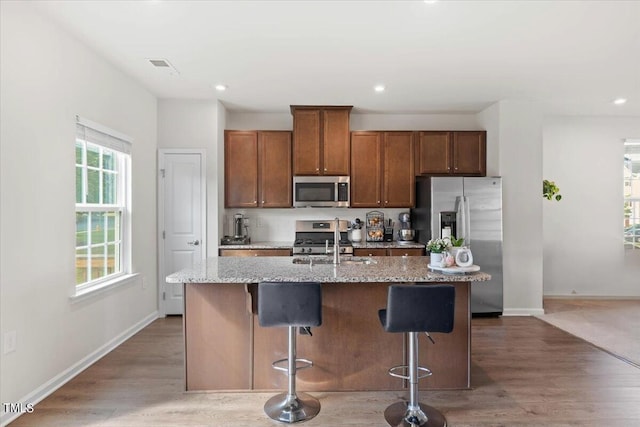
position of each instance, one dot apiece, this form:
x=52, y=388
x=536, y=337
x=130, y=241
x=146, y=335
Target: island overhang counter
x=226, y=349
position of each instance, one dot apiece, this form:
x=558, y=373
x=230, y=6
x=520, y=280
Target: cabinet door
x=275, y=183
x=469, y=153
x=433, y=153
x=399, y=177
x=365, y=169
x=306, y=142
x=240, y=169
x=335, y=141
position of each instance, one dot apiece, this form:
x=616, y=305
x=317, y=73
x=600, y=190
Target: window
x=102, y=204
x=632, y=194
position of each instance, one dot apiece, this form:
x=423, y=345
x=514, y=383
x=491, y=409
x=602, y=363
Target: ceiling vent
x=163, y=64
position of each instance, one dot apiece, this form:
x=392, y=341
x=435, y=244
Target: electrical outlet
x=144, y=282
x=259, y=222
x=10, y=339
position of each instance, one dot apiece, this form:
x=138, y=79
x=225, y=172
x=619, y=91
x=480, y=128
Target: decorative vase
x=435, y=259
x=464, y=258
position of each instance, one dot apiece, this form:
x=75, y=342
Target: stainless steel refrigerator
x=470, y=208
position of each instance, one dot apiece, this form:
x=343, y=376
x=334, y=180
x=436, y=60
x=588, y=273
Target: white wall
x=46, y=78
x=583, y=251
x=194, y=124
x=514, y=131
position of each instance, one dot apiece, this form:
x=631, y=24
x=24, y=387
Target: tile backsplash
x=278, y=225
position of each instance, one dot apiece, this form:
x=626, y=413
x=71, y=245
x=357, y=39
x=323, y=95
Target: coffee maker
x=240, y=235
x=238, y=225
x=406, y=234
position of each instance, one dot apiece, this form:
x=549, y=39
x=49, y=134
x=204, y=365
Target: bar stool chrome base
x=288, y=408
x=399, y=415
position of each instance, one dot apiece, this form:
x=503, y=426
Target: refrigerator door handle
x=463, y=220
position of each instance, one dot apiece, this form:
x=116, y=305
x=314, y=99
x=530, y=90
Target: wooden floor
x=525, y=372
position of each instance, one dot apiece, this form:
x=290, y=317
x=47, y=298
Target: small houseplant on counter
x=456, y=245
x=436, y=248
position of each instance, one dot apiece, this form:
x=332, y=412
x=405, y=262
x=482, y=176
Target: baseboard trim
x=593, y=297
x=523, y=312
x=67, y=375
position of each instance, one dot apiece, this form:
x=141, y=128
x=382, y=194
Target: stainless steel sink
x=351, y=260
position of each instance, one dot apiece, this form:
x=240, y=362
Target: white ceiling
x=574, y=57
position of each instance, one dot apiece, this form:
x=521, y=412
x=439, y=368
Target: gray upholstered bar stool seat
x=292, y=305
x=412, y=309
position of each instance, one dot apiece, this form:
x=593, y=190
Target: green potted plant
x=456, y=245
x=550, y=190
x=457, y=242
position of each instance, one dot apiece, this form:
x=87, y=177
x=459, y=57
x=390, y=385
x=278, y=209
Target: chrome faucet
x=336, y=242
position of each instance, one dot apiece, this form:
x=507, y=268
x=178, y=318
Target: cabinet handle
x=325, y=169
x=317, y=169
x=263, y=202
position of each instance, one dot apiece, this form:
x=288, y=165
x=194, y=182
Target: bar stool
x=295, y=305
x=413, y=309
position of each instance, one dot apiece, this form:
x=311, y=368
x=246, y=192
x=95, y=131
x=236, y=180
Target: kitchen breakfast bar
x=226, y=349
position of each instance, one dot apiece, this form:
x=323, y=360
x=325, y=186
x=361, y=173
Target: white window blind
x=97, y=134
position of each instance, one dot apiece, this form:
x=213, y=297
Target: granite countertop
x=282, y=269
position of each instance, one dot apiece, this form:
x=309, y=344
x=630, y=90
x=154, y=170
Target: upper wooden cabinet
x=451, y=153
x=257, y=169
x=382, y=169
x=320, y=140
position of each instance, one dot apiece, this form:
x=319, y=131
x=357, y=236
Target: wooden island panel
x=217, y=337
x=227, y=349
x=350, y=350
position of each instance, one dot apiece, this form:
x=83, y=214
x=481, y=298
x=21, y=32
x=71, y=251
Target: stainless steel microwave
x=321, y=191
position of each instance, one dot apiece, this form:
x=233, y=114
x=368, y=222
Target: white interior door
x=181, y=221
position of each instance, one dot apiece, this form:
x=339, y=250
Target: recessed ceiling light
x=221, y=88
x=619, y=101
x=379, y=88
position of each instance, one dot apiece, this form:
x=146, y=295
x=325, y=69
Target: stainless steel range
x=316, y=237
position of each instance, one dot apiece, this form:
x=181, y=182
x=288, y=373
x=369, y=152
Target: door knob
x=194, y=243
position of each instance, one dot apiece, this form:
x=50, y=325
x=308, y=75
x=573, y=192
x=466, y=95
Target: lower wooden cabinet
x=254, y=252
x=388, y=252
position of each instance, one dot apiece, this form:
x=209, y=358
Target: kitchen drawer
x=388, y=251
x=369, y=252
x=405, y=251
x=255, y=252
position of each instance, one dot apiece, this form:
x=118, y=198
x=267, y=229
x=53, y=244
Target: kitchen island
x=226, y=349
